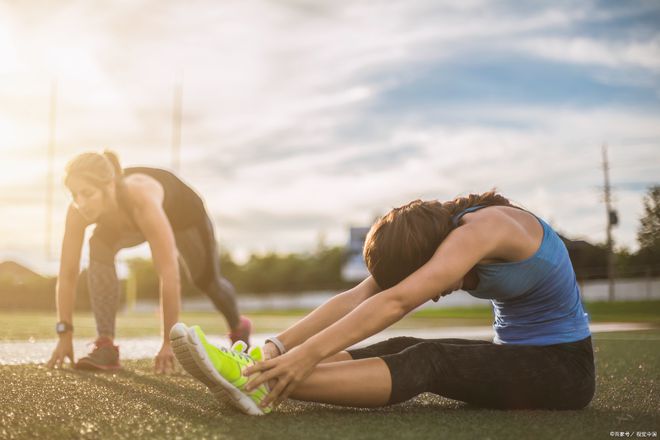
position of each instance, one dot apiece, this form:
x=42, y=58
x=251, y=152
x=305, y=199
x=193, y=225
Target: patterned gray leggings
x=197, y=248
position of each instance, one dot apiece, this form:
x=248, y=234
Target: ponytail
x=112, y=157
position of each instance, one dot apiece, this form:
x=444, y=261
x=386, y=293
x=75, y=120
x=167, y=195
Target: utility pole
x=176, y=124
x=50, y=178
x=612, y=220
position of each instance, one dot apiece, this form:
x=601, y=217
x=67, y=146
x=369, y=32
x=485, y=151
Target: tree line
x=261, y=273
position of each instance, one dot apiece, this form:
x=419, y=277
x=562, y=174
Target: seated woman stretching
x=541, y=357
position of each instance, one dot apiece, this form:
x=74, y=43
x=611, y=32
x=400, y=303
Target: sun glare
x=7, y=49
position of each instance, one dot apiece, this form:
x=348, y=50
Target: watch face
x=63, y=327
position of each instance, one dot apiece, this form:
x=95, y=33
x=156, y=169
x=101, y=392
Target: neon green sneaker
x=219, y=368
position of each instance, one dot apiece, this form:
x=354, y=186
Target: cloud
x=553, y=169
x=579, y=50
x=299, y=117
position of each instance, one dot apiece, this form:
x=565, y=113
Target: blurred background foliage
x=268, y=273
x=20, y=288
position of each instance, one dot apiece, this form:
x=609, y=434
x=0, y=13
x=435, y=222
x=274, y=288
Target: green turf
x=39, y=325
x=135, y=404
x=629, y=311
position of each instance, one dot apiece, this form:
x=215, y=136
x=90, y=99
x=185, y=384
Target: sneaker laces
x=239, y=348
x=254, y=352
x=238, y=355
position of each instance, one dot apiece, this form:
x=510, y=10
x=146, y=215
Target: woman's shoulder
x=490, y=214
x=521, y=231
x=138, y=180
x=515, y=220
x=140, y=188
x=139, y=183
x=500, y=213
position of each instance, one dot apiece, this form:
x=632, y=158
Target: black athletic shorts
x=485, y=374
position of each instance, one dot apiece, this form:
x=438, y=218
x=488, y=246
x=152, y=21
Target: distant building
x=354, y=268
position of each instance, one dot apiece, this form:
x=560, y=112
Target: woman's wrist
x=68, y=336
x=275, y=341
x=270, y=351
x=311, y=352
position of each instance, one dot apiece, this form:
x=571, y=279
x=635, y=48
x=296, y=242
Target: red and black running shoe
x=242, y=331
x=104, y=357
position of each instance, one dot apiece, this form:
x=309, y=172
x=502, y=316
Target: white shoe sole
x=191, y=355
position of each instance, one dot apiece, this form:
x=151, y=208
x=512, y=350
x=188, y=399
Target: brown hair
x=405, y=238
x=99, y=169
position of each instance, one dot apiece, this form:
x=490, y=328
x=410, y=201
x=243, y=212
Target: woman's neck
x=112, y=201
x=114, y=211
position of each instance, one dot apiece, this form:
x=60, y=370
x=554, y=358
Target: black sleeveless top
x=182, y=206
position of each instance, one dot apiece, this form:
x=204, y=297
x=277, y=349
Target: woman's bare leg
x=361, y=383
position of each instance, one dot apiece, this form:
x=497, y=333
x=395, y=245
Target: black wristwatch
x=63, y=327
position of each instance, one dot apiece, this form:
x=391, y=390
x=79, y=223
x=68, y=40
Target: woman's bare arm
x=328, y=313
x=74, y=234
x=457, y=254
x=65, y=291
x=147, y=198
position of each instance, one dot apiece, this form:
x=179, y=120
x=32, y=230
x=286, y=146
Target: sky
x=303, y=118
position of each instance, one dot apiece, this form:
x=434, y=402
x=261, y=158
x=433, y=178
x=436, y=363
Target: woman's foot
x=242, y=331
x=218, y=368
x=103, y=357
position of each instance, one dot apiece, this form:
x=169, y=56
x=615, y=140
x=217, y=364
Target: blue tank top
x=536, y=301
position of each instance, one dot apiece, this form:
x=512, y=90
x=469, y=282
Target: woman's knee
x=389, y=346
x=338, y=357
x=414, y=370
x=400, y=343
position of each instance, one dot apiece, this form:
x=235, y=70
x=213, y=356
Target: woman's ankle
x=105, y=339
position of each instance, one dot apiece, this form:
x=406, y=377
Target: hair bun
x=112, y=157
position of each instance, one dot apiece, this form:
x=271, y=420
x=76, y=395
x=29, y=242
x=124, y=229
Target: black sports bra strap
x=457, y=217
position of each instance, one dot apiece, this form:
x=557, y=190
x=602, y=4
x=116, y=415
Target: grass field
x=136, y=404
x=40, y=325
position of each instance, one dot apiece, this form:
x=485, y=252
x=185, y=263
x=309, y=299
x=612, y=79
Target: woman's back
x=536, y=300
x=182, y=205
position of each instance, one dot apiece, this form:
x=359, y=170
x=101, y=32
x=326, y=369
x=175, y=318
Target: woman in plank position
x=541, y=357
x=130, y=206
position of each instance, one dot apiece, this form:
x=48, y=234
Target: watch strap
x=63, y=327
x=277, y=343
